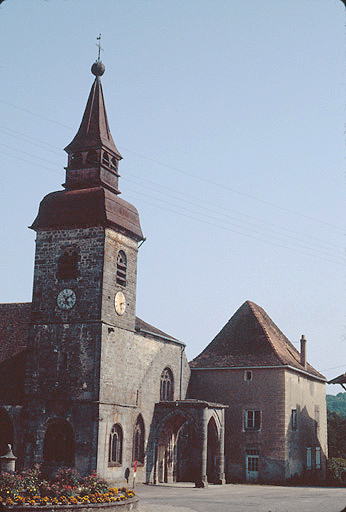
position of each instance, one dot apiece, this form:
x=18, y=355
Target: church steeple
x=91, y=190
x=92, y=155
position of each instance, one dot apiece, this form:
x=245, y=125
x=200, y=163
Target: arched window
x=6, y=432
x=68, y=264
x=121, y=268
x=76, y=160
x=105, y=158
x=138, y=441
x=166, y=385
x=114, y=163
x=58, y=446
x=115, y=445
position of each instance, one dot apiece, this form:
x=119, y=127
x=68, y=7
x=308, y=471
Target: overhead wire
x=201, y=205
x=244, y=234
x=170, y=189
x=336, y=257
x=195, y=176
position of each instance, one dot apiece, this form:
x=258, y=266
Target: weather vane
x=98, y=44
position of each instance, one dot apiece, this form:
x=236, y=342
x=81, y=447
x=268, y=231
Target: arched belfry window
x=121, y=268
x=58, y=446
x=68, y=264
x=105, y=158
x=115, y=445
x=166, y=385
x=138, y=440
x=114, y=163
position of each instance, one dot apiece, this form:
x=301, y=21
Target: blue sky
x=230, y=117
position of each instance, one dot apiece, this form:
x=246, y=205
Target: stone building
x=85, y=383
x=276, y=424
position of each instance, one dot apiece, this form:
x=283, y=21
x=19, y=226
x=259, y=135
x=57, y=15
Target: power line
x=213, y=218
x=235, y=231
x=29, y=154
x=225, y=187
x=229, y=216
x=195, y=176
x=29, y=162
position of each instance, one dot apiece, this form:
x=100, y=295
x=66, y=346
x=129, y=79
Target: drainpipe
x=303, y=351
x=181, y=373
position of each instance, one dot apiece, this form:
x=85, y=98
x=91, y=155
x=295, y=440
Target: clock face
x=66, y=299
x=120, y=303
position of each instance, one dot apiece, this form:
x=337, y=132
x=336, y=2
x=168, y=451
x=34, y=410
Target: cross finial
x=98, y=44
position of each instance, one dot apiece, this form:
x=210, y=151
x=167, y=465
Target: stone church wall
x=131, y=367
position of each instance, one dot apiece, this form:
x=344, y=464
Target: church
x=85, y=383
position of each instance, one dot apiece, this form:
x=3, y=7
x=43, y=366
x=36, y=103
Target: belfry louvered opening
x=121, y=268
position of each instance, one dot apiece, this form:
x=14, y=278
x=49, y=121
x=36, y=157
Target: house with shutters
x=85, y=383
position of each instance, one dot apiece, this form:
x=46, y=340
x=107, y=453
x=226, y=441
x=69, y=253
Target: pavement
x=184, y=497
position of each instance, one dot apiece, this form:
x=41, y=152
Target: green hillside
x=337, y=403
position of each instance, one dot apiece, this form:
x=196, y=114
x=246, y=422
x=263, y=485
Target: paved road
x=239, y=498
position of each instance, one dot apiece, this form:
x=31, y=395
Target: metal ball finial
x=98, y=68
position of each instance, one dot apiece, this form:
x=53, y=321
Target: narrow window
x=166, y=385
x=294, y=419
x=318, y=457
x=138, y=441
x=115, y=445
x=68, y=265
x=248, y=375
x=121, y=269
x=308, y=459
x=252, y=420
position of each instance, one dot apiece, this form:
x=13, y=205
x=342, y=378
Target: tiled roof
x=94, y=206
x=144, y=326
x=250, y=338
x=14, y=328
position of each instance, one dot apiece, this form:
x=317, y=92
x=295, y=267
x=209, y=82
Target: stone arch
x=212, y=451
x=58, y=444
x=168, y=455
x=6, y=431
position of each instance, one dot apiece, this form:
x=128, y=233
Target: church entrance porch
x=186, y=443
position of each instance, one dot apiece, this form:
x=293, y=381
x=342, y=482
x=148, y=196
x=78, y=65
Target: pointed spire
x=94, y=129
x=93, y=157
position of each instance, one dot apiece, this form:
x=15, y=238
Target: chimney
x=303, y=351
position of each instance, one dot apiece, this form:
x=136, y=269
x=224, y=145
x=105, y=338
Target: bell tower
x=84, y=287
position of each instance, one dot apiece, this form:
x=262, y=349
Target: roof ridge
x=264, y=328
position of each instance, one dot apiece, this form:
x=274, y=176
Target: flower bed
x=29, y=489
